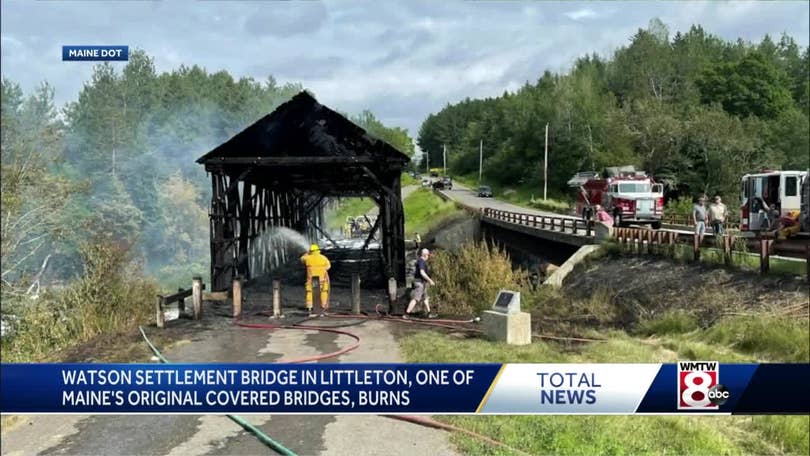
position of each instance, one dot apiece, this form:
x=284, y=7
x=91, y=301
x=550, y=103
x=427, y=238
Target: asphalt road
x=470, y=198
x=216, y=339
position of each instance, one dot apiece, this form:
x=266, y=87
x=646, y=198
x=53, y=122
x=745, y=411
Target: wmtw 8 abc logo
x=699, y=386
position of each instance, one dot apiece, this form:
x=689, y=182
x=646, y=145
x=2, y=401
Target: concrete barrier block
x=512, y=328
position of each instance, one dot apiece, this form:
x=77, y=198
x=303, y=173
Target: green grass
x=768, y=338
x=406, y=179
x=672, y=337
x=348, y=207
x=674, y=322
x=425, y=211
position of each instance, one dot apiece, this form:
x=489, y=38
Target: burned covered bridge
x=280, y=171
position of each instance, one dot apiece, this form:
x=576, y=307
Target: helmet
x=314, y=248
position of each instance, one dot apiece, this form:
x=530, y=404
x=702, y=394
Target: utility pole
x=444, y=159
x=427, y=163
x=480, y=160
x=545, y=168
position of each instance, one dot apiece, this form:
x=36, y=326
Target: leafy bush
x=111, y=296
x=467, y=281
x=681, y=207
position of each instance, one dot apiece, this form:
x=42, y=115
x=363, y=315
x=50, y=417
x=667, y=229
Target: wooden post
x=277, y=299
x=196, y=296
x=765, y=255
x=159, y=317
x=588, y=228
x=355, y=293
x=237, y=297
x=649, y=235
x=696, y=247
x=181, y=304
x=727, y=246
x=392, y=294
x=807, y=248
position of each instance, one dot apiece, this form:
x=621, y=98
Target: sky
x=402, y=60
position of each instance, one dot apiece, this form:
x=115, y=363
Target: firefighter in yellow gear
x=317, y=266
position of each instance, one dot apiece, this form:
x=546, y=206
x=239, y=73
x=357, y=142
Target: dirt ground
x=646, y=287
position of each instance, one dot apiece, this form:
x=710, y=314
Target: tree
x=752, y=86
x=33, y=195
x=395, y=136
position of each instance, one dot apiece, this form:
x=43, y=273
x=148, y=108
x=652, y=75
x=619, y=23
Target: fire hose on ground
x=421, y=420
x=246, y=425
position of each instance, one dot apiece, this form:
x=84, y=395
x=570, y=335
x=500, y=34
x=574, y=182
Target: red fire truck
x=630, y=196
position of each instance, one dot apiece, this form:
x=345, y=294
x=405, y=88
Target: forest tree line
x=117, y=166
x=693, y=109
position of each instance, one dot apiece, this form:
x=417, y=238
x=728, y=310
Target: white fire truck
x=775, y=200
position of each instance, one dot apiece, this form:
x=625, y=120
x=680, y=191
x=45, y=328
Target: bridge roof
x=303, y=132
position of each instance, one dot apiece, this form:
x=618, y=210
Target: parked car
x=485, y=191
x=445, y=183
x=426, y=183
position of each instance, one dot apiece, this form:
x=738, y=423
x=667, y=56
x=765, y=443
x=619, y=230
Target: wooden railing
x=559, y=224
x=180, y=298
x=645, y=240
x=686, y=220
x=640, y=240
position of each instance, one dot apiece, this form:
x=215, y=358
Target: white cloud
x=400, y=59
x=585, y=13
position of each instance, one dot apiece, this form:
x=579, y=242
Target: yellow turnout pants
x=324, y=284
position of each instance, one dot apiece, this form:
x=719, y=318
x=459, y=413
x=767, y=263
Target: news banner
x=685, y=387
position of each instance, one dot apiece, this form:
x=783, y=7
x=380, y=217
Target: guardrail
x=559, y=224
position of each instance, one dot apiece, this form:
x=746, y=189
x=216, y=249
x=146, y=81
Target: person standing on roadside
x=699, y=217
x=420, y=281
x=717, y=216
